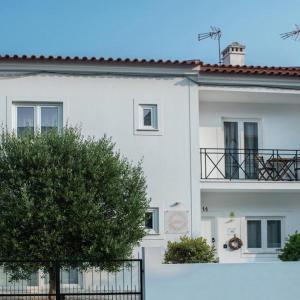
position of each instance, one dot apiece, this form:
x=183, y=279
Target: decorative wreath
x=235, y=243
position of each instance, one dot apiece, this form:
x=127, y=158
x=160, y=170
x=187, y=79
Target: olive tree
x=66, y=197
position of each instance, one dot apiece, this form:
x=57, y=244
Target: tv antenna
x=295, y=34
x=214, y=34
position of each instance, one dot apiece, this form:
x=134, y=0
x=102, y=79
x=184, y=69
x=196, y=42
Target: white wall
x=259, y=281
x=249, y=204
x=280, y=122
x=105, y=105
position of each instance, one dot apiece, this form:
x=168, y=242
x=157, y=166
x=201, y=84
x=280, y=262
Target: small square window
x=148, y=117
x=151, y=221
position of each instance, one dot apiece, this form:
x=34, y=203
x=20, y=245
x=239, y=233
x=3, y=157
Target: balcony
x=270, y=165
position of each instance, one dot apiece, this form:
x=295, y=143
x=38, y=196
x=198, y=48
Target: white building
x=218, y=143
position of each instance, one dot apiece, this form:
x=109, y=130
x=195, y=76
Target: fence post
x=142, y=275
x=296, y=166
x=57, y=280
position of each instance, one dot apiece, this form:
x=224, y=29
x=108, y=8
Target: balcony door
x=241, y=147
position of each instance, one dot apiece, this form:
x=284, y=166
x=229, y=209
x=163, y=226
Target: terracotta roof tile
x=84, y=59
x=250, y=70
x=204, y=68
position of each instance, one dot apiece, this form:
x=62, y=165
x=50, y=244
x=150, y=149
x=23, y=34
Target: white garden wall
x=259, y=281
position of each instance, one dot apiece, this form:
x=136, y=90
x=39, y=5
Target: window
x=68, y=276
x=254, y=233
x=30, y=118
x=264, y=234
x=148, y=116
x=34, y=279
x=151, y=221
x=49, y=118
x=25, y=120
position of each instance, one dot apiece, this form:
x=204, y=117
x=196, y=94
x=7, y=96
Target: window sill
x=261, y=252
x=153, y=237
x=152, y=233
x=147, y=129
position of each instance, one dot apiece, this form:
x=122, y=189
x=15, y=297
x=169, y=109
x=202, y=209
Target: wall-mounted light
x=175, y=204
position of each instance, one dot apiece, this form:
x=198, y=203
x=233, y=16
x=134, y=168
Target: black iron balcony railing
x=250, y=164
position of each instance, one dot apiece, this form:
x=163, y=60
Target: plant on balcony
x=190, y=250
x=291, y=250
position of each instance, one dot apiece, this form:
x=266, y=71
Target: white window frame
x=155, y=216
x=37, y=107
x=264, y=235
x=45, y=285
x=138, y=128
x=240, y=122
x=154, y=111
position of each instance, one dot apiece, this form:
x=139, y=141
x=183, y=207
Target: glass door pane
x=251, y=149
x=254, y=233
x=231, y=150
x=274, y=233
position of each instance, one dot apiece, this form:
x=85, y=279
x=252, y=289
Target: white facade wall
x=190, y=117
x=285, y=205
x=279, y=122
x=277, y=113
x=107, y=105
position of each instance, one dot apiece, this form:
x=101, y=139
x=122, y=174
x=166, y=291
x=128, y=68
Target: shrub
x=190, y=250
x=65, y=197
x=291, y=250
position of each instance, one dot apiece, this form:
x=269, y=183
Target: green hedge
x=190, y=250
x=291, y=250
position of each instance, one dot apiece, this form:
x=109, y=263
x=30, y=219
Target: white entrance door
x=208, y=230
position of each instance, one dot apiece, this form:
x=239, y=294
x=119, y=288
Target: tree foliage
x=190, y=250
x=291, y=250
x=64, y=197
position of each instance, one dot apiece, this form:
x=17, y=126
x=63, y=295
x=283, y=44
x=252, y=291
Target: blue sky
x=149, y=28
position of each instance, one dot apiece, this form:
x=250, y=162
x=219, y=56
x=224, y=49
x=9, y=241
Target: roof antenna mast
x=295, y=34
x=214, y=34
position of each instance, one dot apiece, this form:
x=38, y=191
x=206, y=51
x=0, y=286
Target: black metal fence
x=71, y=282
x=250, y=164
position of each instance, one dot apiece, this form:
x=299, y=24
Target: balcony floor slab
x=248, y=185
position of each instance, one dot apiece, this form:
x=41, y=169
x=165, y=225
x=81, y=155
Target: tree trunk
x=52, y=283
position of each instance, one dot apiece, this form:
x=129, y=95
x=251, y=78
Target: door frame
x=241, y=121
x=214, y=229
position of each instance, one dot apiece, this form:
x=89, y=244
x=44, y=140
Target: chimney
x=234, y=54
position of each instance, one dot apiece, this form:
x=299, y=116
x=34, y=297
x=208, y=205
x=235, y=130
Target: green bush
x=190, y=250
x=291, y=250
